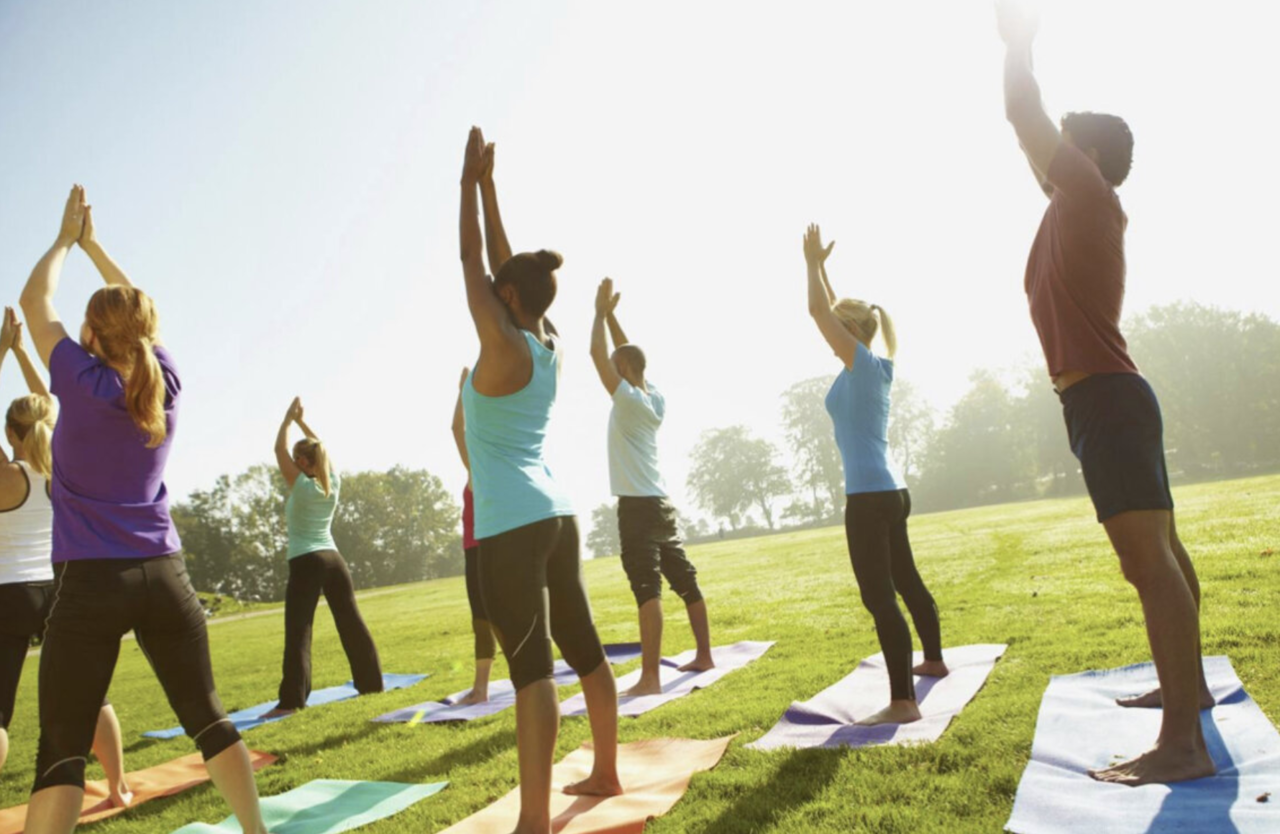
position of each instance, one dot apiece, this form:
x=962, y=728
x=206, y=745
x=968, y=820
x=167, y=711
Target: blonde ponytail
x=144, y=393
x=124, y=322
x=886, y=330
x=315, y=453
x=31, y=420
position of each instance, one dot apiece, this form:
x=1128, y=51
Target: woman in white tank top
x=26, y=541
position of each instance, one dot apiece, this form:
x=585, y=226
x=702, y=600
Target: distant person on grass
x=651, y=547
x=316, y=567
x=26, y=546
x=118, y=565
x=530, y=569
x=1075, y=283
x=485, y=647
x=877, y=502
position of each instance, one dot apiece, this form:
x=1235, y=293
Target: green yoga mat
x=327, y=806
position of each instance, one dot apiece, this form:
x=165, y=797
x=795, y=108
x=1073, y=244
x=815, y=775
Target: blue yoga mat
x=327, y=806
x=247, y=719
x=1080, y=727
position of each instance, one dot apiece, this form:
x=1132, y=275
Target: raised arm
x=37, y=296
x=107, y=268
x=615, y=330
x=491, y=318
x=606, y=301
x=1037, y=134
x=460, y=424
x=35, y=383
x=284, y=459
x=842, y=342
x=495, y=234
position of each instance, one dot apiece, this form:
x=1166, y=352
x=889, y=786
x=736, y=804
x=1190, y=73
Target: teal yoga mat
x=327, y=806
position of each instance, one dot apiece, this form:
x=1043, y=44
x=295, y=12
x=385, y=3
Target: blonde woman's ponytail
x=31, y=420
x=313, y=450
x=886, y=330
x=144, y=394
x=125, y=322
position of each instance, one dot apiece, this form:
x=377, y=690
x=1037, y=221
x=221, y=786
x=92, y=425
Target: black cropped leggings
x=876, y=526
x=95, y=602
x=486, y=648
x=310, y=575
x=24, y=606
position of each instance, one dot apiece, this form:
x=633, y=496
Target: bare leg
x=109, y=749
x=537, y=725
x=601, y=693
x=54, y=810
x=232, y=775
x=650, y=682
x=4, y=747
x=701, y=627
x=1141, y=539
x=479, y=693
x=1152, y=699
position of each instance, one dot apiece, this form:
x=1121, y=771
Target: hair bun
x=548, y=259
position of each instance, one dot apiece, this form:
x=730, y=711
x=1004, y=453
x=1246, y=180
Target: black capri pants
x=651, y=549
x=876, y=528
x=95, y=602
x=24, y=606
x=485, y=645
x=531, y=580
x=311, y=574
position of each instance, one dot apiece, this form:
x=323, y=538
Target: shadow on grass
x=804, y=775
x=328, y=743
x=478, y=751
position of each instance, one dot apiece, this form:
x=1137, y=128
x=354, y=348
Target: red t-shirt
x=1075, y=274
x=468, y=520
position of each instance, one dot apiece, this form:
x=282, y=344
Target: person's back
x=26, y=533
x=309, y=514
x=634, y=420
x=858, y=403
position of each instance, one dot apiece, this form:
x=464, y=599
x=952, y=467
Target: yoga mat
x=501, y=694
x=1080, y=727
x=654, y=773
x=327, y=806
x=151, y=783
x=247, y=719
x=828, y=719
x=675, y=684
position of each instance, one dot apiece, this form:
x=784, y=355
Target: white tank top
x=26, y=534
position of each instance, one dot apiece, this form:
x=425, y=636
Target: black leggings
x=310, y=575
x=24, y=606
x=485, y=646
x=95, y=602
x=875, y=524
x=531, y=579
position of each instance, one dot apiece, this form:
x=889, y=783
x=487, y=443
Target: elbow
x=818, y=308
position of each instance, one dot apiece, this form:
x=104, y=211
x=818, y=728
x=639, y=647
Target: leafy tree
x=812, y=440
x=603, y=539
x=911, y=428
x=733, y=472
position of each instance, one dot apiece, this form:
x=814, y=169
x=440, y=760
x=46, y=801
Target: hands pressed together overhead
x=10, y=331
x=814, y=253
x=606, y=298
x=1018, y=21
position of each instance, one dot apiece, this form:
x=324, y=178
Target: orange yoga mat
x=655, y=773
x=151, y=783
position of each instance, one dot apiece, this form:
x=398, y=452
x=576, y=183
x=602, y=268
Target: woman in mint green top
x=316, y=567
x=530, y=570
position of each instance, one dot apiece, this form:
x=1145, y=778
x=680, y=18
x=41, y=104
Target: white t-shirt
x=26, y=534
x=633, y=441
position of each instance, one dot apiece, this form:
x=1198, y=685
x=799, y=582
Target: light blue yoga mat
x=1080, y=727
x=247, y=719
x=327, y=806
x=502, y=694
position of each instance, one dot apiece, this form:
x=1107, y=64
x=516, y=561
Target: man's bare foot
x=1153, y=700
x=932, y=669
x=277, y=713
x=700, y=663
x=898, y=712
x=473, y=697
x=120, y=796
x=644, y=686
x=595, y=785
x=1159, y=765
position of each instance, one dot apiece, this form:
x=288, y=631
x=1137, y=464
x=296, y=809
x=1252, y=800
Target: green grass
x=1038, y=576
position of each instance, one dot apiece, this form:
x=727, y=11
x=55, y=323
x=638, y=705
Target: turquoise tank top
x=513, y=486
x=308, y=515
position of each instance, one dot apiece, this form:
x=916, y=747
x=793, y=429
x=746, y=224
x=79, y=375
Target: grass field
x=1038, y=576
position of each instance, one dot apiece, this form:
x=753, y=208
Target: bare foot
x=898, y=712
x=595, y=785
x=473, y=697
x=1153, y=700
x=277, y=713
x=932, y=669
x=120, y=797
x=698, y=664
x=1159, y=765
x=644, y=687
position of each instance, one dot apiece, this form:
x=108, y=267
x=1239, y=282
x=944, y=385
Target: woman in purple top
x=116, y=554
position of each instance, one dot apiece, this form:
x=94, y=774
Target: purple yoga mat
x=675, y=684
x=501, y=694
x=828, y=719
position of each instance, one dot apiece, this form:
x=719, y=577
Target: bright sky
x=283, y=179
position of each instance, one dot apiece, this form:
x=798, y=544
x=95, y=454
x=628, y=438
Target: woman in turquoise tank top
x=530, y=570
x=316, y=567
x=877, y=502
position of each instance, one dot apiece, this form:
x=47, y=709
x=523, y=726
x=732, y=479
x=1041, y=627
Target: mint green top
x=309, y=513
x=512, y=485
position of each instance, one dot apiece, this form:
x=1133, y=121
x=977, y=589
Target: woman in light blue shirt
x=877, y=503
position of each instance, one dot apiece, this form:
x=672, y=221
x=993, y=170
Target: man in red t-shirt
x=1075, y=286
